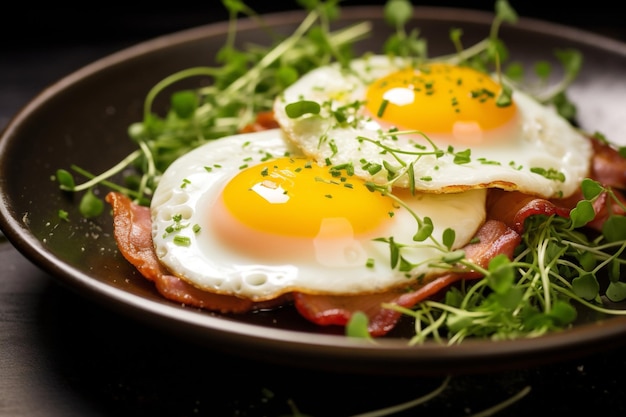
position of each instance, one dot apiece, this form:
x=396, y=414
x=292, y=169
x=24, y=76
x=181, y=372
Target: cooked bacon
x=608, y=167
x=494, y=237
x=605, y=206
x=513, y=208
x=132, y=228
x=263, y=121
x=506, y=214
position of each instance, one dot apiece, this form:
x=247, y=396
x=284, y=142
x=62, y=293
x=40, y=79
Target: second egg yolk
x=439, y=99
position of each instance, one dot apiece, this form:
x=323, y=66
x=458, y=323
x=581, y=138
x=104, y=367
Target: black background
x=28, y=25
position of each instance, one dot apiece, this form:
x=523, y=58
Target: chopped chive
x=181, y=240
x=381, y=109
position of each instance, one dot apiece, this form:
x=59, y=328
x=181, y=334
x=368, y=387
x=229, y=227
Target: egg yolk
x=440, y=99
x=297, y=197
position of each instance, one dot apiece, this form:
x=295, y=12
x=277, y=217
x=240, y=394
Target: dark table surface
x=61, y=355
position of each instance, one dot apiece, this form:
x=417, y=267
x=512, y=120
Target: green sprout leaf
x=616, y=291
x=514, y=71
x=563, y=313
x=543, y=69
x=64, y=215
x=455, y=37
x=453, y=257
x=398, y=12
x=586, y=286
x=587, y=261
x=463, y=157
x=501, y=274
x=614, y=270
x=237, y=6
x=505, y=12
x=582, y=214
x=357, y=326
x=425, y=230
x=301, y=108
x=572, y=61
x=614, y=228
x=66, y=180
x=564, y=106
x=90, y=205
x=590, y=188
x=509, y=299
x=184, y=103
x=285, y=76
x=504, y=99
x=449, y=235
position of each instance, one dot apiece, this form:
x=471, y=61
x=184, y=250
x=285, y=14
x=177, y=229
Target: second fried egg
x=441, y=122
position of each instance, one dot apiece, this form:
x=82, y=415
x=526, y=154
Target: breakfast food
x=416, y=111
x=370, y=186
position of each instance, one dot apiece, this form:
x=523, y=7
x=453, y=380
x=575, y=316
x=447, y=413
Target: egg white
x=191, y=186
x=540, y=138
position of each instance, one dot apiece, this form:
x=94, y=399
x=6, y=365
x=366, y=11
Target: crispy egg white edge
x=545, y=139
x=214, y=267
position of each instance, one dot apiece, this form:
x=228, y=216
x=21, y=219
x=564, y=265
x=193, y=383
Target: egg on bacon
x=440, y=120
x=251, y=216
x=262, y=214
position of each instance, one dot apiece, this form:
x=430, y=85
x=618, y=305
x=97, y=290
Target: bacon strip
x=513, y=208
x=132, y=228
x=264, y=121
x=608, y=167
x=494, y=237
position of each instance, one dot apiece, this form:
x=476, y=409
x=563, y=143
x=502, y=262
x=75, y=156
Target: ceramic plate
x=82, y=119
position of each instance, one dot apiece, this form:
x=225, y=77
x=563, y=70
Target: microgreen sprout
x=244, y=83
x=64, y=215
x=90, y=205
x=357, y=327
x=555, y=270
x=398, y=13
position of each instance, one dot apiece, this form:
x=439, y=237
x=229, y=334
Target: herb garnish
x=244, y=83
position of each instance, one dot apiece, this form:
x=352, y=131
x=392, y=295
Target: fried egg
x=436, y=128
x=252, y=216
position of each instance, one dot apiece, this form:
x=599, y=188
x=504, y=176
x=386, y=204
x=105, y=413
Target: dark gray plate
x=82, y=119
